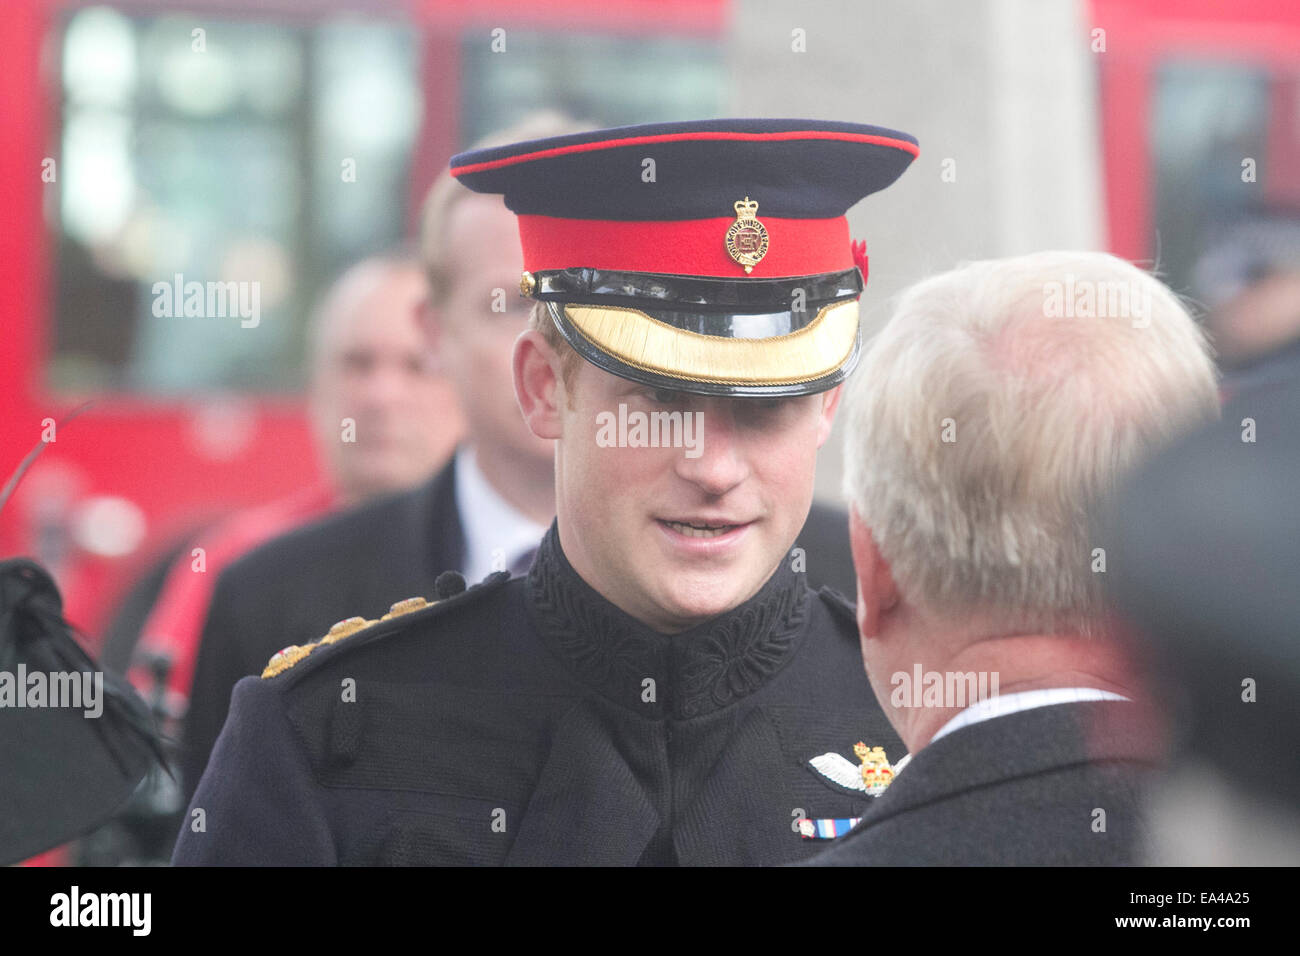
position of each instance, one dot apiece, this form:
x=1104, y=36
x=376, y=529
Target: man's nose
x=384, y=384
x=722, y=461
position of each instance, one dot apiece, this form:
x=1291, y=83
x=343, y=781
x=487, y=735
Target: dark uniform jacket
x=290, y=590
x=530, y=721
x=1022, y=789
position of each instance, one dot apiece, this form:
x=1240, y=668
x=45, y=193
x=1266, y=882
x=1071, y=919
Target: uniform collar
x=699, y=671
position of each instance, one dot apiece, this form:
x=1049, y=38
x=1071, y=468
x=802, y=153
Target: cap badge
x=746, y=238
x=872, y=777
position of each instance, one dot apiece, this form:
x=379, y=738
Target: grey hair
x=997, y=408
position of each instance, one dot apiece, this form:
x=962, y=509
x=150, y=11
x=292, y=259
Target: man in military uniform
x=657, y=687
x=486, y=510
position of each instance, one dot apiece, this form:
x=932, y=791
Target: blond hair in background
x=447, y=191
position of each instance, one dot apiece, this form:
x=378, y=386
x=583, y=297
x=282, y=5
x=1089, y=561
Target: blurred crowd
x=1181, y=473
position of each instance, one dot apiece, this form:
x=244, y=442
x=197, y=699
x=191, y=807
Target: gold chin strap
x=643, y=342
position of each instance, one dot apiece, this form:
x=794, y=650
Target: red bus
x=149, y=144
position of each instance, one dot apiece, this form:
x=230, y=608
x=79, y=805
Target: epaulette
x=449, y=591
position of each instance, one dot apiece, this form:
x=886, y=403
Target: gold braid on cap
x=644, y=342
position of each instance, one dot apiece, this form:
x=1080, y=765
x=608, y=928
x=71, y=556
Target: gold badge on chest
x=875, y=774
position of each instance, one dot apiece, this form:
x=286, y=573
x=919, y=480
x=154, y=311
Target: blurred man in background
x=1249, y=281
x=383, y=420
x=486, y=510
x=1000, y=401
x=372, y=368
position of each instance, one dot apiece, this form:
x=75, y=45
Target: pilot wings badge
x=871, y=778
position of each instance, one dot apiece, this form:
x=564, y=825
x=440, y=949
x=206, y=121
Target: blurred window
x=606, y=79
x=1226, y=149
x=228, y=153
x=201, y=150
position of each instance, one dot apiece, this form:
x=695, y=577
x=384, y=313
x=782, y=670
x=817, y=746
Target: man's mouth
x=700, y=529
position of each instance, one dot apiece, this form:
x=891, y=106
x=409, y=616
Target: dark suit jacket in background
x=825, y=539
x=1015, y=790
x=359, y=563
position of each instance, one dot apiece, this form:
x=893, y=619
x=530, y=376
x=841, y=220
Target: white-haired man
x=999, y=404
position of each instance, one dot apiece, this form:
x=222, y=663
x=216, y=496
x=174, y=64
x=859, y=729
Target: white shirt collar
x=1005, y=704
x=496, y=535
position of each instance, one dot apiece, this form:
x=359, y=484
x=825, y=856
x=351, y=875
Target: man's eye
x=665, y=396
x=766, y=410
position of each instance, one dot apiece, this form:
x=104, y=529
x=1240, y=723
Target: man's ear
x=877, y=593
x=830, y=402
x=538, y=388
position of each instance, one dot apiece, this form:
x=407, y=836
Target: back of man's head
x=1001, y=401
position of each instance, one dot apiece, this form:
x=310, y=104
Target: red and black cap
x=710, y=256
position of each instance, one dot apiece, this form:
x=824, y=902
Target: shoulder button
x=449, y=584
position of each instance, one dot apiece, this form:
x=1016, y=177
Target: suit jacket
x=825, y=541
x=1023, y=789
x=291, y=590
x=530, y=721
